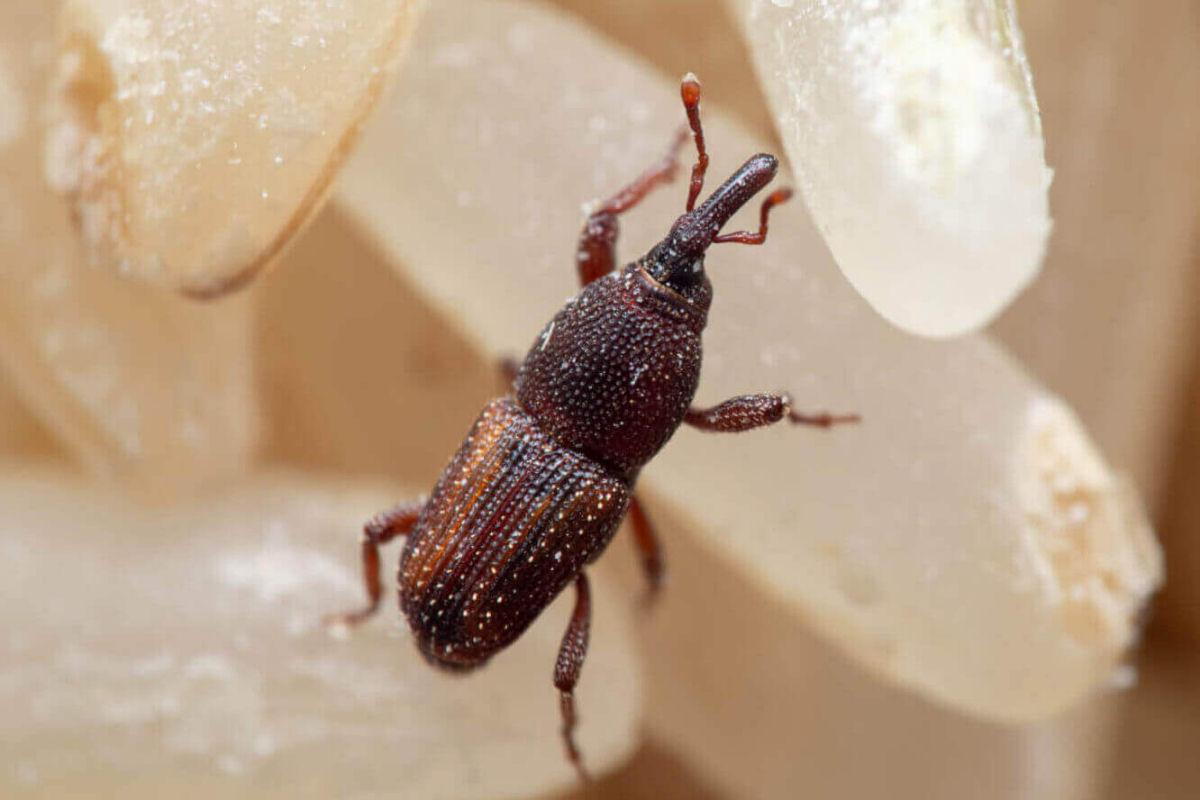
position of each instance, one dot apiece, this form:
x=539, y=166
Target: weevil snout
x=678, y=260
x=750, y=178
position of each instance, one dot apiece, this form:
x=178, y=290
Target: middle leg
x=749, y=411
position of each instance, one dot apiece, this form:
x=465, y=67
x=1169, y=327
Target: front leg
x=595, y=255
x=749, y=411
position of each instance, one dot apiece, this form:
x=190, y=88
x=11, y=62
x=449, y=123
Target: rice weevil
x=546, y=475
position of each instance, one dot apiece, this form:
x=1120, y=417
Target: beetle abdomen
x=512, y=519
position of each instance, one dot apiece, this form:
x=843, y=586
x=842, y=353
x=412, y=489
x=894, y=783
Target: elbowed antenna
x=678, y=260
x=756, y=173
x=689, y=91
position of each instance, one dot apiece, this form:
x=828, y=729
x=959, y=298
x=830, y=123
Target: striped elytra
x=511, y=521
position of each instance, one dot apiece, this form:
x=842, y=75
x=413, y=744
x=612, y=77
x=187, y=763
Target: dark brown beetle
x=545, y=478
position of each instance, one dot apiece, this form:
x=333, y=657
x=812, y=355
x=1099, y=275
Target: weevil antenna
x=678, y=260
x=757, y=237
x=689, y=90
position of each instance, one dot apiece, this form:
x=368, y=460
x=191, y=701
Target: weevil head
x=678, y=260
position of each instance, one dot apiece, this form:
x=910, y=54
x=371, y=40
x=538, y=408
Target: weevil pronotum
x=546, y=474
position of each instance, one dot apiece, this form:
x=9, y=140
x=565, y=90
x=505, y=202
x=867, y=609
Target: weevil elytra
x=546, y=475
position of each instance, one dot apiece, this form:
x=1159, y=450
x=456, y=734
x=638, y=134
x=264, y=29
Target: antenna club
x=689, y=89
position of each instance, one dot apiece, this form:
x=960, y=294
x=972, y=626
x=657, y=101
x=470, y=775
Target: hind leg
x=380, y=530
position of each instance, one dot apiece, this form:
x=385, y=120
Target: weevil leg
x=749, y=411
x=648, y=547
x=566, y=670
x=378, y=531
x=595, y=255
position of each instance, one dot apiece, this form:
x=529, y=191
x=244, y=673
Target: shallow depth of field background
x=1112, y=325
